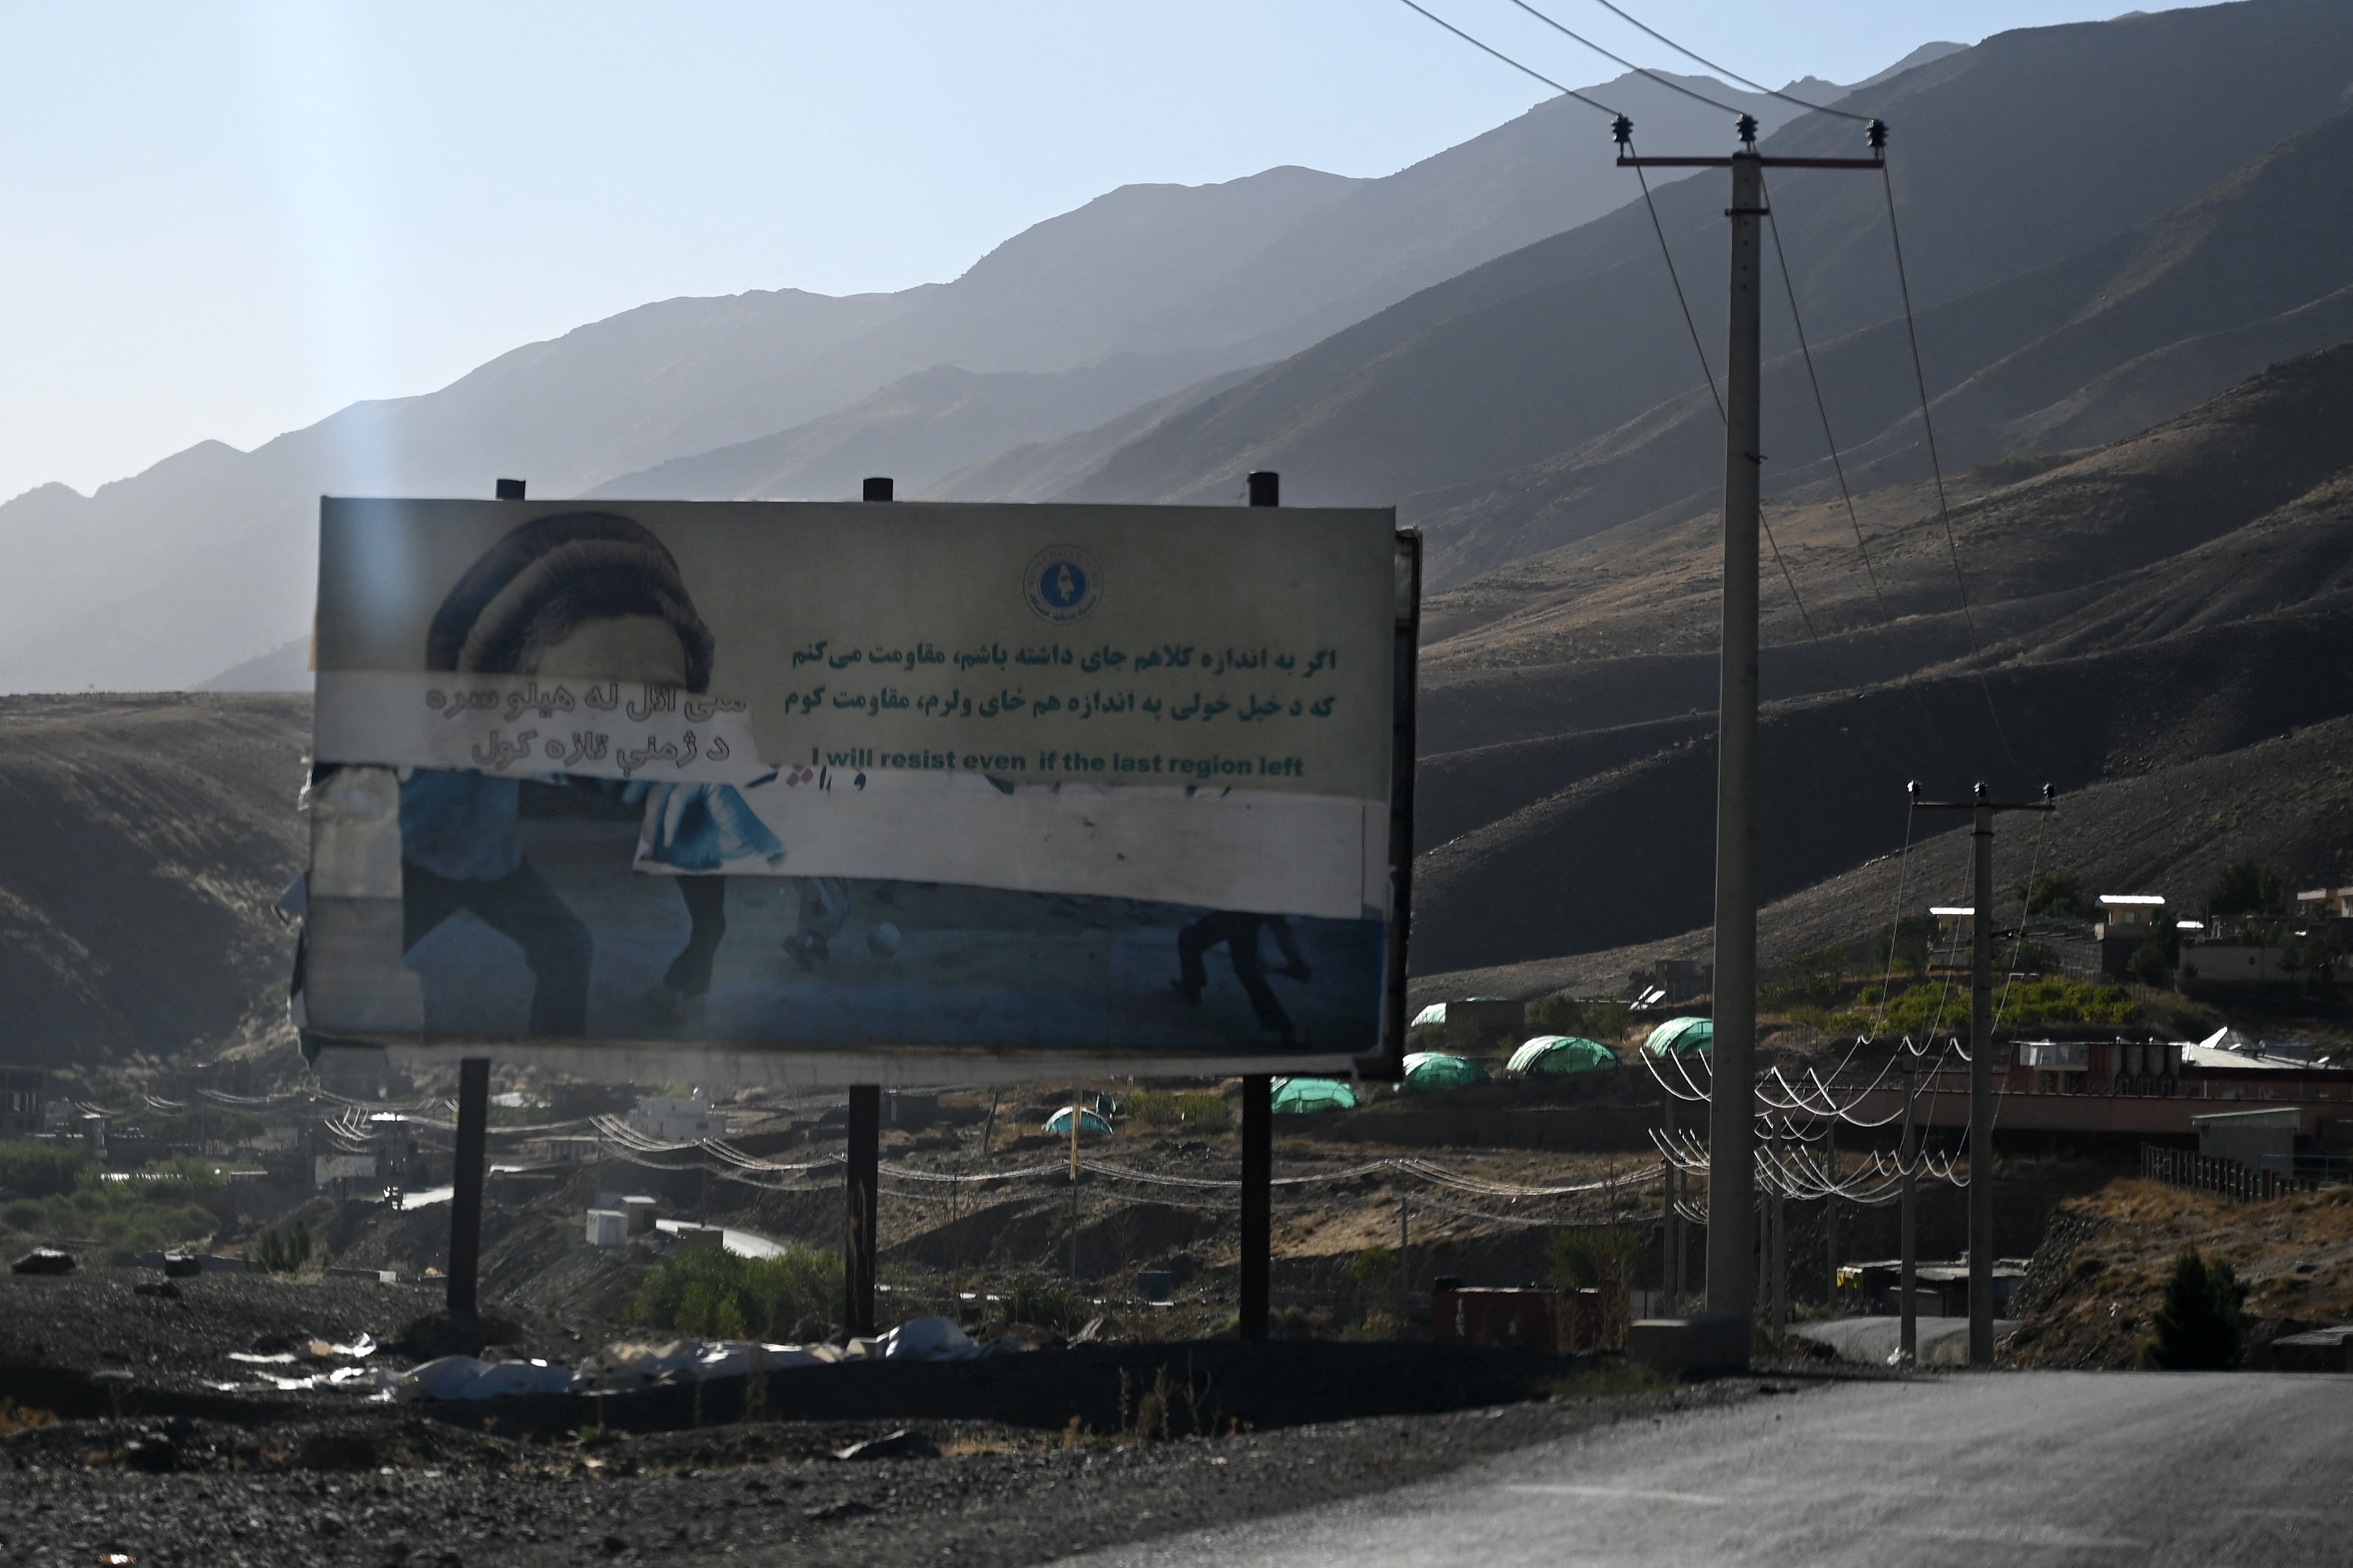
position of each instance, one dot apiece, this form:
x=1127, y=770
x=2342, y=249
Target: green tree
x=2154, y=956
x=2055, y=895
x=1560, y=1014
x=715, y=1294
x=41, y=1170
x=1906, y=944
x=2202, y=1326
x=1375, y=1268
x=2244, y=892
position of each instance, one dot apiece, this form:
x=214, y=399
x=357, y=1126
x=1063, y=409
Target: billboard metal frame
x=623, y=1059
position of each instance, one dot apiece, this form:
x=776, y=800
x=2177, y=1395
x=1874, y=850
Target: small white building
x=2128, y=915
x=1956, y=924
x=678, y=1121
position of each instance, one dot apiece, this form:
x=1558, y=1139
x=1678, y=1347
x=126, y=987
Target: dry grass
x=15, y=1418
x=2295, y=1255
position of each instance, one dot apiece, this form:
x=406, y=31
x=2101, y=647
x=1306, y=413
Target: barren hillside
x=147, y=838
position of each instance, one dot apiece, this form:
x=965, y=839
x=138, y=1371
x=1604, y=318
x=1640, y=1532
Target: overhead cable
x=1729, y=75
x=1668, y=82
x=1838, y=464
x=1936, y=469
x=1523, y=69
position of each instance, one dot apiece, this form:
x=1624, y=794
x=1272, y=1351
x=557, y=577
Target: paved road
x=1872, y=1342
x=2013, y=1468
x=741, y=1242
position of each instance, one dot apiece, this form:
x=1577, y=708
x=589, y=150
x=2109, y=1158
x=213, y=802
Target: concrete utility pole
x=1981, y=810
x=1907, y=1317
x=1732, y=1260
x=1731, y=1131
x=1982, y=1082
x=1830, y=1210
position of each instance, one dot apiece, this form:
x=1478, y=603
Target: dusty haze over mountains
x=2133, y=267
x=1137, y=294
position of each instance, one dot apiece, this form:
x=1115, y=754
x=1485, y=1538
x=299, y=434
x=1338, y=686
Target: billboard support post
x=1258, y=1115
x=465, y=1182
x=1258, y=1202
x=863, y=1182
x=471, y=1156
x=862, y=1176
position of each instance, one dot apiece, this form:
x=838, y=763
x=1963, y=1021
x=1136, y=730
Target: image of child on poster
x=588, y=595
x=1240, y=933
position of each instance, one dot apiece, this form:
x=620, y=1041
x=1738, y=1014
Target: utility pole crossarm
x=1627, y=160
x=2050, y=802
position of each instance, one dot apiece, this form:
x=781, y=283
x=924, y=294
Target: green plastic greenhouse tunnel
x=1549, y=1055
x=1677, y=1036
x=1436, y=1069
x=1089, y=1124
x=1298, y=1095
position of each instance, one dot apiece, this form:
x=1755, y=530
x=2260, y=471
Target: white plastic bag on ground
x=464, y=1377
x=737, y=1358
x=936, y=1338
x=632, y=1365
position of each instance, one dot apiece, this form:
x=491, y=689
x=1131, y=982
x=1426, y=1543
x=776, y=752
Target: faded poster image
x=1107, y=785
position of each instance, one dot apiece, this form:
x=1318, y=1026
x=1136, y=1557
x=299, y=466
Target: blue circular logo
x=1062, y=583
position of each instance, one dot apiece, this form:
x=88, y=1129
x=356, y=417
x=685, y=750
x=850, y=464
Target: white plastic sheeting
x=631, y=1365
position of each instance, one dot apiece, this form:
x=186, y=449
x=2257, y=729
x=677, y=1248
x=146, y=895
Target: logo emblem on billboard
x=1062, y=583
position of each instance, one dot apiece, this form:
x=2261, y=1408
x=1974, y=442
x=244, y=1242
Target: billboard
x=850, y=792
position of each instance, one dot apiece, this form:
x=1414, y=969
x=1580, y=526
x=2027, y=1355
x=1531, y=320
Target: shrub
x=1807, y=1016
x=1054, y=1308
x=1556, y=1015
x=1594, y=1257
x=281, y=1252
x=1154, y=1108
x=2200, y=1327
x=1299, y=1324
x=40, y=1170
x=2055, y=1000
x=717, y=1294
x=1375, y=1268
x=1200, y=1105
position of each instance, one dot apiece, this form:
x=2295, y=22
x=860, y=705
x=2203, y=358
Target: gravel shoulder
x=420, y=1491
x=114, y=1439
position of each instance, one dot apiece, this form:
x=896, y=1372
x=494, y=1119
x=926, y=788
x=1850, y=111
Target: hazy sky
x=228, y=220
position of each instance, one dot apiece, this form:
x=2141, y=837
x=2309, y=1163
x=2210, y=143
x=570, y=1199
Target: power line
x=1936, y=469
x=1734, y=76
x=1667, y=82
x=1838, y=466
x=1524, y=70
x=1625, y=130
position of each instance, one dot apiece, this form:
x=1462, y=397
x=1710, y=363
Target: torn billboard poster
x=810, y=785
